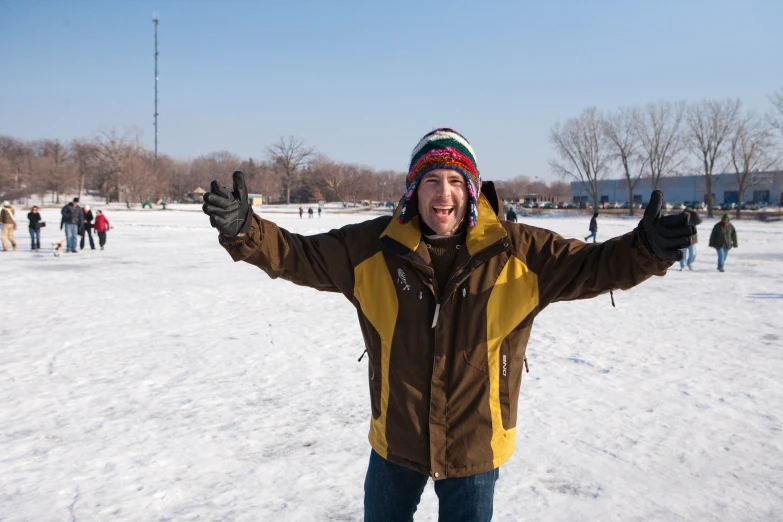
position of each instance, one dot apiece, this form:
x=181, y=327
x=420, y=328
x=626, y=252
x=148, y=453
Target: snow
x=157, y=380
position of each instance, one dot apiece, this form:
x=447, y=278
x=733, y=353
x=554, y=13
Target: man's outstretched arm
x=320, y=261
x=571, y=269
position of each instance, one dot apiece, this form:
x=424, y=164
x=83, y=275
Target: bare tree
x=289, y=156
x=659, y=133
x=16, y=155
x=113, y=153
x=57, y=154
x=515, y=188
x=84, y=155
x=140, y=176
x=560, y=190
x=776, y=116
x=583, y=150
x=710, y=125
x=752, y=153
x=620, y=128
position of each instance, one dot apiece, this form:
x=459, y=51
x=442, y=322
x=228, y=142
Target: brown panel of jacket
x=452, y=380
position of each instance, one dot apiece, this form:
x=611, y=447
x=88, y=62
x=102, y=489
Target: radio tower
x=156, y=21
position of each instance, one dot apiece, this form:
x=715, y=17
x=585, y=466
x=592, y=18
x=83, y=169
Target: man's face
x=443, y=200
x=725, y=222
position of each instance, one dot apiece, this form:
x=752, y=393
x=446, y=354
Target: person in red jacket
x=101, y=227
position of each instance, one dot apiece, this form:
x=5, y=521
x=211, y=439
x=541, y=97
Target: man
x=722, y=239
x=511, y=215
x=73, y=221
x=593, y=227
x=446, y=293
x=689, y=254
x=9, y=225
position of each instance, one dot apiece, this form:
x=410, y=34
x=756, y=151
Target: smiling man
x=446, y=292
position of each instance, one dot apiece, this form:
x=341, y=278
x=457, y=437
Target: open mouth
x=442, y=211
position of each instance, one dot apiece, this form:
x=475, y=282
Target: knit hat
x=725, y=216
x=6, y=203
x=441, y=149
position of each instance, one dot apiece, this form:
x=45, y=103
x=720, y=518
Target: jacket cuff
x=242, y=246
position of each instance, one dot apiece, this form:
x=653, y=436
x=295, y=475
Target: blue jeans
x=392, y=493
x=688, y=256
x=723, y=252
x=71, y=230
x=35, y=238
x=593, y=235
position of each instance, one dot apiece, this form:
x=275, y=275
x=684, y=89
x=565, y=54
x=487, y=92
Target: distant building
x=255, y=199
x=767, y=189
x=196, y=196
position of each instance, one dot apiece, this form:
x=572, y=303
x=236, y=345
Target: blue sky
x=362, y=81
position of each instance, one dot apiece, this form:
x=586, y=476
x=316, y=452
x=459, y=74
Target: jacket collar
x=487, y=231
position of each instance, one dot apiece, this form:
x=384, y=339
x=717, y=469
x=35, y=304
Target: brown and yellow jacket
x=446, y=367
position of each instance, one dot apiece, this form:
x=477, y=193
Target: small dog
x=57, y=248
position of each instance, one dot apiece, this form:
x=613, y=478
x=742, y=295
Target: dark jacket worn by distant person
x=35, y=220
x=72, y=215
x=87, y=220
x=723, y=236
x=693, y=219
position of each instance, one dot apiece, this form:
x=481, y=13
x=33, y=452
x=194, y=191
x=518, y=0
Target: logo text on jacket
x=401, y=279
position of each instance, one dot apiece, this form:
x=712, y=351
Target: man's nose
x=443, y=187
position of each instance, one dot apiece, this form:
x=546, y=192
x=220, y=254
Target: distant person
x=593, y=228
x=9, y=225
x=722, y=239
x=319, y=212
x=310, y=212
x=301, y=212
x=689, y=254
x=101, y=227
x=511, y=215
x=87, y=228
x=34, y=217
x=72, y=220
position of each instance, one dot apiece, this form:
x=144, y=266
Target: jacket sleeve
x=714, y=236
x=734, y=237
x=569, y=269
x=319, y=261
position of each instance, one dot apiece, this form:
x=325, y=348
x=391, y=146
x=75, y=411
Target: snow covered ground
x=157, y=380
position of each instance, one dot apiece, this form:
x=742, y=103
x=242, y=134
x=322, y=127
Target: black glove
x=665, y=236
x=229, y=212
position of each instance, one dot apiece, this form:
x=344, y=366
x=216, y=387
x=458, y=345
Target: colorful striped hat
x=441, y=149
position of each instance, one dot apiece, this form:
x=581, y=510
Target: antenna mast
x=156, y=21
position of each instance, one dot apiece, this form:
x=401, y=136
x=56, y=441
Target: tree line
x=669, y=139
x=118, y=167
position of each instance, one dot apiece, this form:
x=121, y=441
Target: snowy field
x=157, y=380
